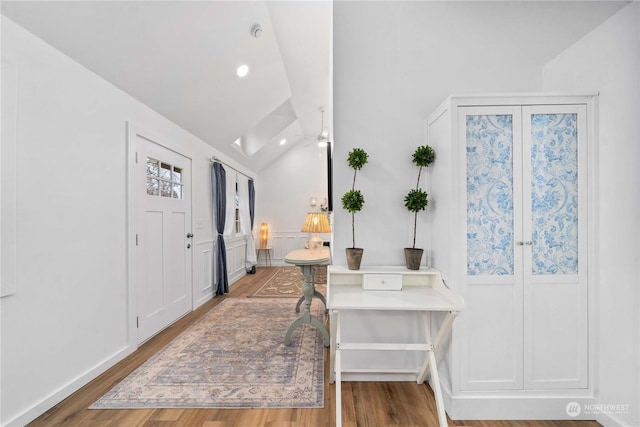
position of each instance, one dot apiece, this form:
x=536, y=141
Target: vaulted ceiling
x=180, y=57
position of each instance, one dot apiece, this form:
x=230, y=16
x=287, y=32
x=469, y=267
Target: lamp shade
x=264, y=235
x=316, y=222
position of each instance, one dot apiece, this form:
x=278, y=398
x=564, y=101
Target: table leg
x=309, y=276
x=333, y=322
x=300, y=301
x=320, y=297
x=315, y=294
x=435, y=385
x=430, y=364
x=337, y=369
x=442, y=333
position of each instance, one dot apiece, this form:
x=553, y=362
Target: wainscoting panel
x=283, y=243
x=203, y=272
x=236, y=248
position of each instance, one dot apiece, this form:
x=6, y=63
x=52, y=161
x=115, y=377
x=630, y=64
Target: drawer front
x=382, y=282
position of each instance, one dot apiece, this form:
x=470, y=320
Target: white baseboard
x=202, y=300
x=613, y=420
x=68, y=389
x=514, y=406
x=274, y=263
x=378, y=377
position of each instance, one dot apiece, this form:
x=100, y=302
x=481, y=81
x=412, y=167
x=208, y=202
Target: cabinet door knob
x=528, y=243
x=519, y=243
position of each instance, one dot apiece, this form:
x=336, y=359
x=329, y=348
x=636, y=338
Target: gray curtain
x=219, y=183
x=252, y=202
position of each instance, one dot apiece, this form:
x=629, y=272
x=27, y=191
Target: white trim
x=203, y=281
x=9, y=141
x=526, y=98
x=610, y=420
x=132, y=208
x=593, y=242
x=283, y=242
x=43, y=405
x=514, y=405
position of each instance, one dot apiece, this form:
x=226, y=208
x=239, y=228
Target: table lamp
x=316, y=222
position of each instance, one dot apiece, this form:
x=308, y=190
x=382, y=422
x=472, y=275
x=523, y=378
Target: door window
x=164, y=179
x=489, y=195
x=554, y=193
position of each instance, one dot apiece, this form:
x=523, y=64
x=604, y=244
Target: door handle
x=189, y=235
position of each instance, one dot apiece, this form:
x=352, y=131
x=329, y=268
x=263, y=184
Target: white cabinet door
x=492, y=348
x=555, y=247
x=525, y=323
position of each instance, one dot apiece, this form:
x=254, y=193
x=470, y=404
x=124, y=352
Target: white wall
x=393, y=65
x=68, y=320
x=283, y=193
x=608, y=60
x=387, y=81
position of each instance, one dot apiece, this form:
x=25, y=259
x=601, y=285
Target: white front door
x=164, y=240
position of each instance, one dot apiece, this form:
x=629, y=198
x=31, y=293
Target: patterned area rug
x=234, y=357
x=287, y=283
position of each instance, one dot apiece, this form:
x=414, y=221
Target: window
x=163, y=179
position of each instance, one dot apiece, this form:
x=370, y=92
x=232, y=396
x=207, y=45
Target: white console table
x=422, y=291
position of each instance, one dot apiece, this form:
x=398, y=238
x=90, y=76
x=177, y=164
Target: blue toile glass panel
x=554, y=194
x=489, y=195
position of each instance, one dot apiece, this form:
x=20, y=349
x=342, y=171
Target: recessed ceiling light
x=283, y=141
x=243, y=70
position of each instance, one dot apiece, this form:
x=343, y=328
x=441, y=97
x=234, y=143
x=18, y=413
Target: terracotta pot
x=354, y=256
x=413, y=258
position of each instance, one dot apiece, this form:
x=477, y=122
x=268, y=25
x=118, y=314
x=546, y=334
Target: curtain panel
x=252, y=201
x=219, y=189
x=230, y=213
x=246, y=223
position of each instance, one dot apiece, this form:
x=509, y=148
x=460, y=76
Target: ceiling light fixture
x=243, y=70
x=283, y=141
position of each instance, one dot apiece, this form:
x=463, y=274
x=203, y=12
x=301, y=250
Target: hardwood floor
x=364, y=403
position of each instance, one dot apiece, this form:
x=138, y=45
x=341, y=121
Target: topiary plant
x=353, y=200
x=416, y=200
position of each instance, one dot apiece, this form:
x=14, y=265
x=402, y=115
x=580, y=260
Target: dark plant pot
x=413, y=257
x=354, y=257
